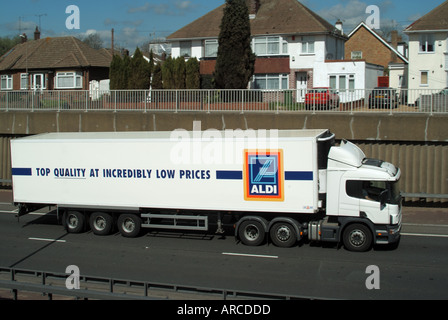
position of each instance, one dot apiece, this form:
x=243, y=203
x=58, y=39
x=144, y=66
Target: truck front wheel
x=129, y=225
x=357, y=237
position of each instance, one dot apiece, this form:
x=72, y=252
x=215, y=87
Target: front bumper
x=388, y=234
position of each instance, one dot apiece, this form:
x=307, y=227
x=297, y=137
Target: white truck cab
x=363, y=192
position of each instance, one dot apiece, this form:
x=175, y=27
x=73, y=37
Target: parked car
x=321, y=97
x=383, y=97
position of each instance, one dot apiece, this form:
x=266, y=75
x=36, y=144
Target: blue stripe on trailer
x=229, y=175
x=299, y=175
x=21, y=172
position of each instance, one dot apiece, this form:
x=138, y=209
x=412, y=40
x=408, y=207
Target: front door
x=301, y=85
x=38, y=83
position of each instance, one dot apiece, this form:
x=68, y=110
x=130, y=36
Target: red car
x=321, y=97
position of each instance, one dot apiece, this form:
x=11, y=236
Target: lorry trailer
x=281, y=185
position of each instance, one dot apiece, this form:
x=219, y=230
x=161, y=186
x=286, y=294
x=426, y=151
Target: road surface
x=418, y=269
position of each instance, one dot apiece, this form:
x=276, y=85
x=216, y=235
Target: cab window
x=369, y=190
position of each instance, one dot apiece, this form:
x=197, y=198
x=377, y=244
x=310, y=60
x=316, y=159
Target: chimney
x=113, y=45
x=338, y=26
x=24, y=37
x=254, y=5
x=394, y=44
x=37, y=34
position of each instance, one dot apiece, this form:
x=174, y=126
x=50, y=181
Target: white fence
x=351, y=101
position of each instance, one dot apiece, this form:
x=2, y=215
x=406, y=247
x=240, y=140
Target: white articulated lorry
x=282, y=185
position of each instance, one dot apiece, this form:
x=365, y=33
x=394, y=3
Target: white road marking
x=425, y=235
x=13, y=211
x=47, y=240
x=249, y=255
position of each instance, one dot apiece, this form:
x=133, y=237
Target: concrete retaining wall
x=366, y=126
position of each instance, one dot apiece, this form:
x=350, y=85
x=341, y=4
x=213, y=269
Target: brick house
x=288, y=38
x=63, y=63
x=365, y=44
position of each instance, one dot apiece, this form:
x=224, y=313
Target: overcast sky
x=138, y=21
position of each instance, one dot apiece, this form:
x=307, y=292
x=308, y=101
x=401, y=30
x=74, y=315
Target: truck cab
x=363, y=193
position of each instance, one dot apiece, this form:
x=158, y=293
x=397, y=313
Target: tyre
x=283, y=235
x=129, y=225
x=251, y=233
x=74, y=221
x=357, y=237
x=101, y=223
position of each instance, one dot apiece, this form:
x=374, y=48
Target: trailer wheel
x=357, y=237
x=74, y=221
x=283, y=235
x=129, y=225
x=251, y=233
x=101, y=223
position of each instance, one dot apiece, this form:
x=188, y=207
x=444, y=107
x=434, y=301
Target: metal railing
x=53, y=283
x=276, y=101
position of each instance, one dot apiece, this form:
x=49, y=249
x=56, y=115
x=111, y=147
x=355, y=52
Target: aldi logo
x=263, y=175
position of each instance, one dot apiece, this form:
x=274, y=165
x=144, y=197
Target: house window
x=69, y=80
x=307, y=45
x=185, y=49
x=211, y=48
x=342, y=82
x=24, y=80
x=424, y=78
x=263, y=46
x=6, y=82
x=270, y=81
x=426, y=43
x=356, y=55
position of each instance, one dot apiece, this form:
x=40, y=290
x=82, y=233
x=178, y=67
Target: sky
x=138, y=21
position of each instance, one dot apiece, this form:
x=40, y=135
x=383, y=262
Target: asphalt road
x=418, y=269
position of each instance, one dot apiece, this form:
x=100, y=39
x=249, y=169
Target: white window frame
x=421, y=78
x=77, y=78
x=185, y=49
x=211, y=48
x=356, y=55
x=308, y=45
x=427, y=43
x=8, y=80
x=24, y=81
x=342, y=82
x=269, y=46
x=282, y=79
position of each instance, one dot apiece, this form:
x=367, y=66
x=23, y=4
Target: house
x=365, y=44
x=428, y=50
x=63, y=63
x=288, y=39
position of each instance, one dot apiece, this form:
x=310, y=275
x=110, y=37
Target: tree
x=235, y=62
x=192, y=74
x=123, y=77
x=157, y=82
x=168, y=73
x=7, y=43
x=179, y=73
x=93, y=40
x=114, y=72
x=139, y=72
